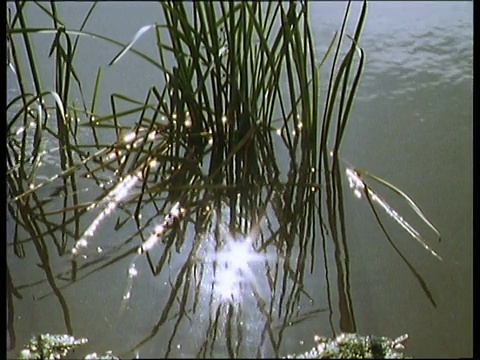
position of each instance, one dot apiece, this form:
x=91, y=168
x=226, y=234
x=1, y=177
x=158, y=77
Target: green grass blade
x=332, y=85
x=342, y=124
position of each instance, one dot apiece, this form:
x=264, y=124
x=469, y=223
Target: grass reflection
x=233, y=276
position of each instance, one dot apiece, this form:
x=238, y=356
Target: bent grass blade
x=359, y=186
x=409, y=201
x=137, y=36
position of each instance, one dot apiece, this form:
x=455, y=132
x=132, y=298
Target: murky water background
x=411, y=125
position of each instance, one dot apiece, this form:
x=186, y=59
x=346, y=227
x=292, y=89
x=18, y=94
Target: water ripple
x=404, y=54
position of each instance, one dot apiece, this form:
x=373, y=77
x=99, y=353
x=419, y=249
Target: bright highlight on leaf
x=359, y=186
x=137, y=36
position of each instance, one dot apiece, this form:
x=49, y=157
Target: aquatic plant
x=344, y=346
x=355, y=346
x=203, y=153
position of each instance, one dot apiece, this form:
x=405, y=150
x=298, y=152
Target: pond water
x=411, y=125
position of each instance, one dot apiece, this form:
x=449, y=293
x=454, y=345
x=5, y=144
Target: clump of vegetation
x=50, y=347
x=238, y=118
x=344, y=346
x=354, y=346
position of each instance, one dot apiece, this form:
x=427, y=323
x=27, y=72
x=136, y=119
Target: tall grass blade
x=344, y=112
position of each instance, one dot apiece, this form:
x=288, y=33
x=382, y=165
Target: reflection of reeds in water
x=111, y=201
x=230, y=285
x=231, y=145
x=223, y=292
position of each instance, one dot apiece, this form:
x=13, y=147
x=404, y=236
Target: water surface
x=411, y=125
